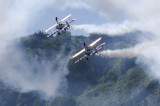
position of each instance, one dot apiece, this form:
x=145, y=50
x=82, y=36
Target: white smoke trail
x=125, y=53
x=109, y=29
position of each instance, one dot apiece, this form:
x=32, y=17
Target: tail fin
x=67, y=24
x=96, y=51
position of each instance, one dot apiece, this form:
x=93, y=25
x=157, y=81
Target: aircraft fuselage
x=60, y=26
x=90, y=51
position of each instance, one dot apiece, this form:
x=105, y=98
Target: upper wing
x=78, y=53
x=85, y=56
x=94, y=42
x=65, y=17
x=50, y=28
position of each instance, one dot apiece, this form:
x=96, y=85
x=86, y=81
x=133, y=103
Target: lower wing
x=53, y=33
x=85, y=56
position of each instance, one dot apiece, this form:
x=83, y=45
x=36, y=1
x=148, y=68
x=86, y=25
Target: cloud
x=151, y=59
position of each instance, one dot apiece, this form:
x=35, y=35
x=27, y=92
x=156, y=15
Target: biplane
x=59, y=26
x=89, y=50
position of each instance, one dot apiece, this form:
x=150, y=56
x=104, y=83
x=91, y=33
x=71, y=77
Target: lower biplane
x=89, y=50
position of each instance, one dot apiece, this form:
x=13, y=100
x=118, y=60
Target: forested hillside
x=96, y=82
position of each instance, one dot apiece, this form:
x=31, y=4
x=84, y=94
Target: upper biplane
x=89, y=50
x=59, y=26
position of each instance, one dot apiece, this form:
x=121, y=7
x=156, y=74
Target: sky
x=85, y=12
x=83, y=16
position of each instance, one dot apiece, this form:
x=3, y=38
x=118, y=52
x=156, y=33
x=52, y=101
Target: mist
x=109, y=29
x=18, y=73
x=21, y=74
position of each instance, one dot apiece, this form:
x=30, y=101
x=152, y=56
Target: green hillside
x=96, y=82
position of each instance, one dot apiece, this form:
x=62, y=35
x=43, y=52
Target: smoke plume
x=109, y=29
x=125, y=53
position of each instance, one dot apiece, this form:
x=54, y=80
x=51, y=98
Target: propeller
x=84, y=44
x=57, y=19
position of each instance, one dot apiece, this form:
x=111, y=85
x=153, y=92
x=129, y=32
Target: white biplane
x=89, y=50
x=59, y=26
